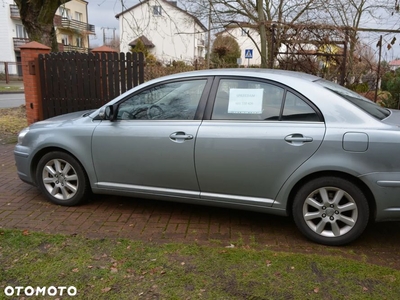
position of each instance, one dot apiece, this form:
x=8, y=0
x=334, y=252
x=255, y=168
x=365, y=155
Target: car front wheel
x=331, y=211
x=62, y=179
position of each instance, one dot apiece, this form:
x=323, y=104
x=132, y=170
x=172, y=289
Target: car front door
x=258, y=134
x=149, y=148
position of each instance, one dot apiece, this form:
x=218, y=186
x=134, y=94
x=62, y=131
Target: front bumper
x=23, y=163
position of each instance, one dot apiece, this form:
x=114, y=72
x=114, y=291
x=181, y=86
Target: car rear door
x=149, y=148
x=257, y=135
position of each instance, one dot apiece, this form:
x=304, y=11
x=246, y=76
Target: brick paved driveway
x=23, y=207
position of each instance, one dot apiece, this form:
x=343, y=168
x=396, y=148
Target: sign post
x=248, y=53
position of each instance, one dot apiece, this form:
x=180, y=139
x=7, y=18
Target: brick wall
x=30, y=53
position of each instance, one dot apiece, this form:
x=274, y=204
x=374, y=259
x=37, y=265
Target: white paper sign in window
x=245, y=101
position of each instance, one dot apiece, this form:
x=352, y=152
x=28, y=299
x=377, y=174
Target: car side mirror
x=102, y=113
x=108, y=113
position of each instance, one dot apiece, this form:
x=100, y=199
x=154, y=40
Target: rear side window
x=295, y=109
x=240, y=99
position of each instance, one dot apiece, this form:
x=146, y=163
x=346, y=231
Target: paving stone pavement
x=23, y=207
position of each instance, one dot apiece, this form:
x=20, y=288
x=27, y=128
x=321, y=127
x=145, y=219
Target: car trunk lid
x=394, y=118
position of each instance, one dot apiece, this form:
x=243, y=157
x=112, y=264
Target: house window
x=78, y=16
x=20, y=31
x=157, y=10
x=65, y=12
x=200, y=52
x=79, y=42
x=65, y=40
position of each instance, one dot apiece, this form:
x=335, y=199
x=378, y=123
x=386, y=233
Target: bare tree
x=37, y=17
x=351, y=14
x=260, y=15
x=113, y=42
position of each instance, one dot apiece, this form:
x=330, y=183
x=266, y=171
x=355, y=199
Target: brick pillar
x=30, y=53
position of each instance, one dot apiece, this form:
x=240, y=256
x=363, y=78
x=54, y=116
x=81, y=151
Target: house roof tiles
x=395, y=63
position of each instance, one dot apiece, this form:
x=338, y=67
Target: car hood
x=62, y=119
x=394, y=118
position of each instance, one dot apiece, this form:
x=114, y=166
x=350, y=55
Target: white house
x=247, y=37
x=71, y=26
x=169, y=32
x=394, y=64
x=12, y=34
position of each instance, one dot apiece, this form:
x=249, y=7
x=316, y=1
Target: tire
x=62, y=179
x=331, y=211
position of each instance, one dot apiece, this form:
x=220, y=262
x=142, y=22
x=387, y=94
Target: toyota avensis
x=279, y=142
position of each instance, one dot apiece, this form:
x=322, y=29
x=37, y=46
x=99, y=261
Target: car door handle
x=180, y=136
x=298, y=139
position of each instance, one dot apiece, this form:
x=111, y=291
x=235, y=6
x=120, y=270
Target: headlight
x=22, y=134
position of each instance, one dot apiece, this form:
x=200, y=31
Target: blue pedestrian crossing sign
x=248, y=53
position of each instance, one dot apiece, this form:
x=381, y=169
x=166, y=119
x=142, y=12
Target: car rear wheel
x=331, y=211
x=62, y=179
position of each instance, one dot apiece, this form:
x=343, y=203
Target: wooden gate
x=71, y=81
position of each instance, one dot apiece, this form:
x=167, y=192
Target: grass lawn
x=126, y=269
x=11, y=88
x=12, y=121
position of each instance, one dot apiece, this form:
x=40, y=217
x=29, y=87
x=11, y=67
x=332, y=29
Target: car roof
x=256, y=72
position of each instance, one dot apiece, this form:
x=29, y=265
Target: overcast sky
x=102, y=15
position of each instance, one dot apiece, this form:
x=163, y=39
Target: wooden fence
x=71, y=81
x=10, y=71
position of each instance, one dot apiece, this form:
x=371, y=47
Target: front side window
x=169, y=101
x=259, y=101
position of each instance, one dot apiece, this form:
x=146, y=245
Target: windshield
x=366, y=105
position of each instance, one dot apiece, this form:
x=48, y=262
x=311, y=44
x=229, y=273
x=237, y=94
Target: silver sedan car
x=279, y=142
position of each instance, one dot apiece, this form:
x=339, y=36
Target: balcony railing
x=74, y=24
x=18, y=42
x=70, y=48
x=59, y=21
x=14, y=12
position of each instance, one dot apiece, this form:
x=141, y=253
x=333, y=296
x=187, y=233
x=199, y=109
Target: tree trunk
x=37, y=16
x=263, y=33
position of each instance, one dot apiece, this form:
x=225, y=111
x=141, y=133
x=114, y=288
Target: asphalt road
x=11, y=100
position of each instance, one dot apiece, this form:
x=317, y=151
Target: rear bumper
x=385, y=186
